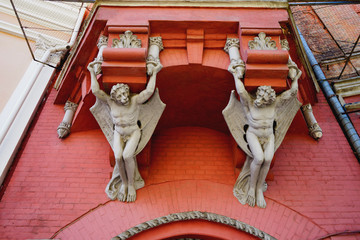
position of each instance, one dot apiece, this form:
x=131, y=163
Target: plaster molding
x=14, y=29
x=194, y=215
x=65, y=16
x=42, y=45
x=262, y=43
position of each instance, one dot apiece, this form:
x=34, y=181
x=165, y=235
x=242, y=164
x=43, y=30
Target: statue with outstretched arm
x=123, y=110
x=259, y=124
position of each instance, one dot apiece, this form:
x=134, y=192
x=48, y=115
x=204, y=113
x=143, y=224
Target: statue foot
x=251, y=198
x=131, y=196
x=260, y=200
x=122, y=193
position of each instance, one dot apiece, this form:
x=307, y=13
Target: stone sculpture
x=64, y=128
x=258, y=124
x=128, y=121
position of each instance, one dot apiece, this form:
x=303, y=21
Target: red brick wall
x=56, y=181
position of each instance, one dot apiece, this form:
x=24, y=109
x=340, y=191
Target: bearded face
x=120, y=94
x=265, y=96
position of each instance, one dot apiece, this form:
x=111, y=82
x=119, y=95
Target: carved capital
x=284, y=44
x=231, y=42
x=127, y=40
x=70, y=106
x=156, y=41
x=103, y=41
x=262, y=43
x=314, y=129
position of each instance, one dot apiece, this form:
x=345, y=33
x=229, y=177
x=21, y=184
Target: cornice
x=42, y=13
x=197, y=3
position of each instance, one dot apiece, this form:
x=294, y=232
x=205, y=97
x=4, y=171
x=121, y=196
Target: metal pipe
x=6, y=126
x=339, y=112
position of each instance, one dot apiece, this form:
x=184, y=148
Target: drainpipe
x=338, y=110
x=6, y=126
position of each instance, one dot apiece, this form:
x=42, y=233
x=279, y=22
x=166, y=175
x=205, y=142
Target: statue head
x=120, y=93
x=265, y=95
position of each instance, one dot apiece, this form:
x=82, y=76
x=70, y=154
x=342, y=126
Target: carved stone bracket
x=314, y=128
x=194, y=215
x=63, y=129
x=262, y=43
x=127, y=40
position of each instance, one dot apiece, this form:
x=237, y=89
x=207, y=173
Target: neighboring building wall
x=334, y=31
x=13, y=64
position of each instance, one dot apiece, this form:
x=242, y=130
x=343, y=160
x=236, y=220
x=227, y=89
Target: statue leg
x=268, y=156
x=258, y=154
x=129, y=160
x=118, y=152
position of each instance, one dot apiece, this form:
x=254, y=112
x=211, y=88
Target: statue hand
x=90, y=67
x=157, y=68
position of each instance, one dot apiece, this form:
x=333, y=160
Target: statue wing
x=101, y=112
x=285, y=113
x=150, y=113
x=235, y=117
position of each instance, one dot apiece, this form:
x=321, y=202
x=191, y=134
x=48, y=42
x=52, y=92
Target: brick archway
x=199, y=225
x=158, y=200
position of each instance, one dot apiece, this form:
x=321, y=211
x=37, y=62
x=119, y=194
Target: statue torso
x=125, y=117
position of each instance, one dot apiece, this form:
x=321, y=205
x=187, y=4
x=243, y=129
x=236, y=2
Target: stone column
x=155, y=46
x=102, y=43
x=232, y=48
x=314, y=128
x=63, y=129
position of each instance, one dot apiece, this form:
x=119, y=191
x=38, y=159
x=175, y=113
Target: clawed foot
x=123, y=193
x=260, y=200
x=251, y=198
x=131, y=196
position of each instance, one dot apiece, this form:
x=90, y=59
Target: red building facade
x=56, y=186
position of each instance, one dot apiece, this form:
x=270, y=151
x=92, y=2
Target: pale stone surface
x=237, y=65
x=314, y=128
x=262, y=43
x=258, y=124
x=127, y=40
x=128, y=124
x=194, y=215
x=64, y=128
x=102, y=43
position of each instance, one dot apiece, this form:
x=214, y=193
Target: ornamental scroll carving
x=262, y=42
x=127, y=40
